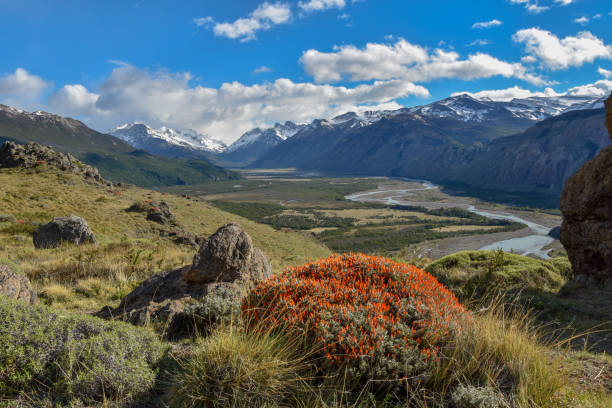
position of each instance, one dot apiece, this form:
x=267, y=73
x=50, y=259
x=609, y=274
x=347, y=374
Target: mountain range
x=169, y=142
x=518, y=148
x=116, y=159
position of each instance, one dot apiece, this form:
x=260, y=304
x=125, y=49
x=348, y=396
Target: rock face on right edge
x=586, y=204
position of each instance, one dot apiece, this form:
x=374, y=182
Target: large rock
x=71, y=229
x=586, y=204
x=226, y=267
x=227, y=256
x=35, y=155
x=16, y=286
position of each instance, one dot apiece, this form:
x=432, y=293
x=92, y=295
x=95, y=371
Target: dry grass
x=129, y=248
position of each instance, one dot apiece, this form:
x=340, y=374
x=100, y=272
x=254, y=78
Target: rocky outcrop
x=160, y=213
x=71, y=229
x=33, y=155
x=586, y=204
x=16, y=286
x=226, y=267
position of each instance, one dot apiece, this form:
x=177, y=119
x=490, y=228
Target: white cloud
x=508, y=94
x=531, y=6
x=21, y=86
x=597, y=89
x=556, y=53
x=565, y=2
x=203, y=21
x=162, y=98
x=74, y=100
x=604, y=72
x=318, y=5
x=584, y=20
x=264, y=17
x=407, y=61
x=487, y=24
x=261, y=70
x=480, y=41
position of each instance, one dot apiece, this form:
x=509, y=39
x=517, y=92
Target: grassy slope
x=129, y=249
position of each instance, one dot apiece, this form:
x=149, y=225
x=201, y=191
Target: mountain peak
x=142, y=136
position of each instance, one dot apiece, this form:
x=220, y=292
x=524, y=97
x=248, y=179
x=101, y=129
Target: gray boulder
x=70, y=229
x=226, y=267
x=16, y=286
x=227, y=256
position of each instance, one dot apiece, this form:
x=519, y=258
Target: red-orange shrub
x=375, y=317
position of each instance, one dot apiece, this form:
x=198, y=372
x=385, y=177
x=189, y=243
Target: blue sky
x=225, y=67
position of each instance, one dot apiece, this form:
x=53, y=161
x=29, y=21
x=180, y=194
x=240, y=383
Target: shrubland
x=352, y=330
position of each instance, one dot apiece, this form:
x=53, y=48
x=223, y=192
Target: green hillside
x=115, y=159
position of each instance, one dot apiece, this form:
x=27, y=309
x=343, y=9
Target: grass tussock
x=233, y=368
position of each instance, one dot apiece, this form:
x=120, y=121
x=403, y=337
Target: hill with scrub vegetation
x=176, y=305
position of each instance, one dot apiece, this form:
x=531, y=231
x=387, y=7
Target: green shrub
x=474, y=273
x=221, y=307
x=72, y=357
x=231, y=368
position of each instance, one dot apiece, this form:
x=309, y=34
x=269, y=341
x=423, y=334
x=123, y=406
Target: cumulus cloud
x=163, y=98
x=508, y=94
x=561, y=53
x=532, y=6
x=565, y=2
x=318, y=5
x=264, y=17
x=604, y=72
x=74, y=100
x=584, y=20
x=487, y=24
x=407, y=61
x=597, y=89
x=21, y=87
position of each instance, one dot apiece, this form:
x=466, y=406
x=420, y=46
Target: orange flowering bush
x=379, y=319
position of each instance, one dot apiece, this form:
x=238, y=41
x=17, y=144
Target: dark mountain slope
x=539, y=159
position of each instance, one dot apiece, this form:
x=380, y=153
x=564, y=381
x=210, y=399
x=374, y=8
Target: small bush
x=7, y=218
x=231, y=368
x=139, y=206
x=72, y=357
x=219, y=308
x=376, y=319
x=474, y=273
x=477, y=397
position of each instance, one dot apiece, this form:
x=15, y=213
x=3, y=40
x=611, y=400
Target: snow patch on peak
x=139, y=134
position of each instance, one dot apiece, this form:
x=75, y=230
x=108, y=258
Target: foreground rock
x=33, y=155
x=16, y=286
x=71, y=229
x=586, y=204
x=210, y=290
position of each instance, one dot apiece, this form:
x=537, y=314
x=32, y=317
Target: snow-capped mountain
x=267, y=136
x=467, y=108
x=167, y=141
